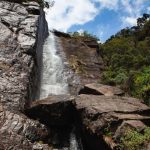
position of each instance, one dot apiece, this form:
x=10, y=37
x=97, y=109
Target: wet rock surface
x=21, y=27
x=83, y=58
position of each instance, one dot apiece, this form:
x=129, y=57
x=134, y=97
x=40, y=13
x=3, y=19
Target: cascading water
x=53, y=81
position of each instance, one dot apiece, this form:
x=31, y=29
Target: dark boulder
x=53, y=111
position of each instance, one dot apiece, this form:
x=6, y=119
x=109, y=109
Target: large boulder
x=96, y=117
x=99, y=114
x=53, y=111
x=58, y=113
x=100, y=89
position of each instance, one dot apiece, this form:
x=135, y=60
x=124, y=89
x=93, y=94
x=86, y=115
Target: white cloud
x=133, y=10
x=127, y=7
x=80, y=31
x=148, y=10
x=129, y=21
x=66, y=13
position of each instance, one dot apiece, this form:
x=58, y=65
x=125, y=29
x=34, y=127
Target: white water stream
x=53, y=81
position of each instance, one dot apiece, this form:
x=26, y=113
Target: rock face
x=22, y=34
x=83, y=58
x=100, y=89
x=101, y=113
x=23, y=29
x=94, y=116
x=19, y=132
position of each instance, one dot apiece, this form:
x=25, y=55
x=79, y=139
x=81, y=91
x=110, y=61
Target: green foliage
x=133, y=140
x=115, y=77
x=141, y=85
x=127, y=57
x=84, y=35
x=77, y=65
x=107, y=131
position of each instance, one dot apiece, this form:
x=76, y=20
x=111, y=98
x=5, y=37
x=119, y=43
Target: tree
x=126, y=55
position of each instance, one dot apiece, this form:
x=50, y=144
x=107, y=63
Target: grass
x=134, y=140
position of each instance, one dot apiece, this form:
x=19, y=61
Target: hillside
x=127, y=59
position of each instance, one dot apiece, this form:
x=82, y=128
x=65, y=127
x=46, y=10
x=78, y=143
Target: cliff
x=23, y=29
x=83, y=58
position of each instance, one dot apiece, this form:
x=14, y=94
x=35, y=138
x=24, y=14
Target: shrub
x=141, y=85
x=115, y=77
x=133, y=140
x=126, y=52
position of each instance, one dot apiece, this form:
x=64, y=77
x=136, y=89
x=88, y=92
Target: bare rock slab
x=100, y=113
x=100, y=89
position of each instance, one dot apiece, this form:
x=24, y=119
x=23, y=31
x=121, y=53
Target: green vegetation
x=84, y=35
x=133, y=140
x=76, y=64
x=141, y=85
x=127, y=59
x=107, y=131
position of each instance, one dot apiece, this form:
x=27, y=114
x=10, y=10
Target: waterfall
x=74, y=145
x=53, y=81
x=53, y=78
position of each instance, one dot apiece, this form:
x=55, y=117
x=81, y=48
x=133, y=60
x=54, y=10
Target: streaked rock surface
x=21, y=29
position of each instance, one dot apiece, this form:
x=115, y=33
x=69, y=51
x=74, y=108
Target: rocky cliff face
x=83, y=59
x=22, y=32
x=23, y=29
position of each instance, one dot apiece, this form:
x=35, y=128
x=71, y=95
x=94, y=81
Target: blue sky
x=102, y=18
